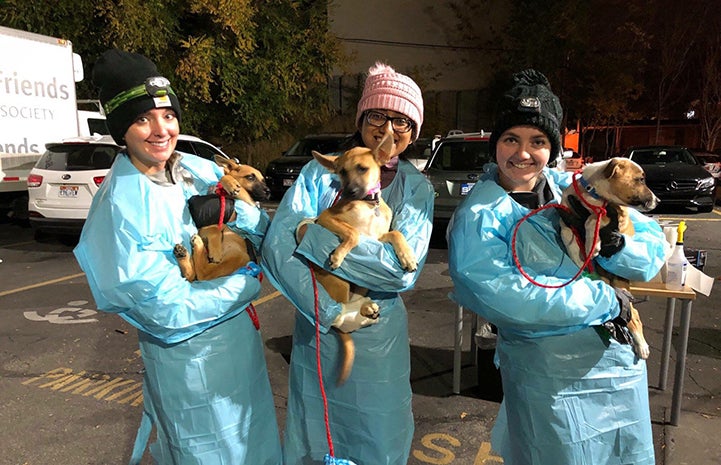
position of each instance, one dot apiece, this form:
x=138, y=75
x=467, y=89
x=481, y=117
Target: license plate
x=287, y=182
x=68, y=191
x=466, y=187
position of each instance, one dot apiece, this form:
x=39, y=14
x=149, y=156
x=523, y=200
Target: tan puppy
x=360, y=210
x=218, y=251
x=620, y=183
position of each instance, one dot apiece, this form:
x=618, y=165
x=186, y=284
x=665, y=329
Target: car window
x=461, y=156
x=709, y=158
x=97, y=126
x=77, y=158
x=185, y=146
x=662, y=157
x=644, y=157
x=205, y=151
x=304, y=147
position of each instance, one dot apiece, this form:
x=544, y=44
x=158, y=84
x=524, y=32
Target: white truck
x=37, y=105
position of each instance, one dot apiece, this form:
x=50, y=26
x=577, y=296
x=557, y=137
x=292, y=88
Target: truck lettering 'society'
x=34, y=113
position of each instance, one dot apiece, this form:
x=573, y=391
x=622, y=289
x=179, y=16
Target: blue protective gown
x=570, y=396
x=206, y=386
x=370, y=415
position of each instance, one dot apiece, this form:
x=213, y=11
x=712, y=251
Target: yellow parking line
x=689, y=220
x=17, y=244
x=44, y=283
x=267, y=298
x=66, y=278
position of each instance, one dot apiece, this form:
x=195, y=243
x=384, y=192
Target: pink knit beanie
x=385, y=89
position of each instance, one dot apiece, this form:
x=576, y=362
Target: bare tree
x=674, y=37
x=708, y=105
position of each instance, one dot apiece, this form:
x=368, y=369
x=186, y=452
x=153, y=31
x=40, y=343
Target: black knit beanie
x=129, y=86
x=529, y=102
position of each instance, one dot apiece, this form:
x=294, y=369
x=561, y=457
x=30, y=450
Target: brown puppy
x=620, y=183
x=218, y=251
x=360, y=210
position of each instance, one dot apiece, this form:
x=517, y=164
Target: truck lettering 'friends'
x=13, y=85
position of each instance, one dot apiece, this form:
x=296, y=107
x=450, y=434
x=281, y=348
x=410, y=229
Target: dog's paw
x=336, y=259
x=642, y=351
x=180, y=251
x=370, y=310
x=409, y=264
x=231, y=185
x=407, y=260
x=196, y=242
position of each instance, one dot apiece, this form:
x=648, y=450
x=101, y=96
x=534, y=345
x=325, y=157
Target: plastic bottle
x=677, y=265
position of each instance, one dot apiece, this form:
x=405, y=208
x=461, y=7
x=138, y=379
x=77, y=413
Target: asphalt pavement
x=70, y=377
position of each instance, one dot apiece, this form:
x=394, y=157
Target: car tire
x=20, y=209
x=705, y=209
x=39, y=235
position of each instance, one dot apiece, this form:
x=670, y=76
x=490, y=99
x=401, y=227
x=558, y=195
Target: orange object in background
x=570, y=140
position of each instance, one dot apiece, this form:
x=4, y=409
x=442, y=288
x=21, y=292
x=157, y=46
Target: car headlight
x=705, y=183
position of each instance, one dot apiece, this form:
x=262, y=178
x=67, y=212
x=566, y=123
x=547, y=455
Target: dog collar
x=586, y=186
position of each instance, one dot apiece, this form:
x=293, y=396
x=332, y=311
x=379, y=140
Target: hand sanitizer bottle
x=677, y=265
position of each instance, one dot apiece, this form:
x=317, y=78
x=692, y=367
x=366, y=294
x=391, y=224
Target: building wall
x=417, y=38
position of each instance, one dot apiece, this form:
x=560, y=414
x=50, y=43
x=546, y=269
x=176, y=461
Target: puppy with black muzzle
x=615, y=185
x=216, y=250
x=359, y=211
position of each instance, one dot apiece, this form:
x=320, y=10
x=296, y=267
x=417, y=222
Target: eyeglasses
x=378, y=119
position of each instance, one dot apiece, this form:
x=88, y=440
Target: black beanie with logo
x=130, y=85
x=529, y=102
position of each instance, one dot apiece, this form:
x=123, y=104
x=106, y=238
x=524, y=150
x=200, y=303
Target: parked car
x=64, y=180
x=711, y=163
x=282, y=172
x=453, y=169
x=675, y=175
x=571, y=160
x=197, y=146
x=420, y=151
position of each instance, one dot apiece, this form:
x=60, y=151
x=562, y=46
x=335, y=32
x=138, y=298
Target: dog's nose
x=352, y=192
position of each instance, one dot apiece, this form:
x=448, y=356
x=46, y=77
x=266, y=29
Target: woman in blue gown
x=572, y=395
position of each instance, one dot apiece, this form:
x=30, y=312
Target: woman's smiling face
x=151, y=139
x=372, y=135
x=521, y=153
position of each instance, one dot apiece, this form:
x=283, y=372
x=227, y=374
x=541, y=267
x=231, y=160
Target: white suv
x=64, y=180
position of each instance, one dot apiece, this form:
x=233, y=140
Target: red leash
x=599, y=211
x=252, y=313
x=221, y=192
x=320, y=373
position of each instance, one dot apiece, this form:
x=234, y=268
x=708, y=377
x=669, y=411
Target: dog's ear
x=384, y=150
x=225, y=163
x=327, y=161
x=612, y=167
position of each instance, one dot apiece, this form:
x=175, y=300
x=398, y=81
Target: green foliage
x=243, y=69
